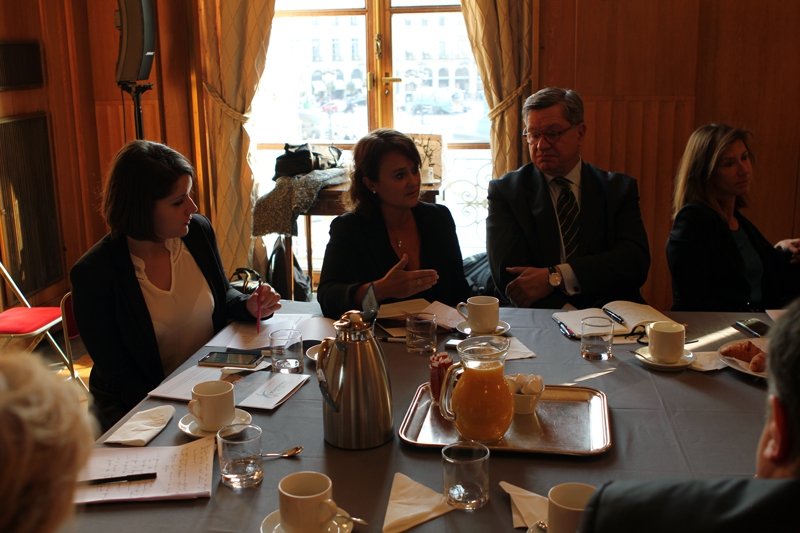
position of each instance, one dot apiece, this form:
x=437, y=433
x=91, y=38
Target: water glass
x=421, y=333
x=597, y=337
x=465, y=473
x=239, y=449
x=286, y=351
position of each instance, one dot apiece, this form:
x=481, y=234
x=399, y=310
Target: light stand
x=136, y=90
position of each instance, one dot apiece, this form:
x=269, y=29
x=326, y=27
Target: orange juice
x=482, y=403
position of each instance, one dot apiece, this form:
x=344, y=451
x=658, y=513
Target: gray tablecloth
x=663, y=425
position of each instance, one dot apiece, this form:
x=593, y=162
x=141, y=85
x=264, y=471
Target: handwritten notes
x=183, y=472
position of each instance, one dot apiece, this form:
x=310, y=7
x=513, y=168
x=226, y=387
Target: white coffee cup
x=305, y=502
x=565, y=506
x=482, y=313
x=212, y=404
x=666, y=341
x=426, y=175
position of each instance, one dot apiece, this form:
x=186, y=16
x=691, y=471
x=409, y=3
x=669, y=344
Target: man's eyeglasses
x=638, y=334
x=533, y=137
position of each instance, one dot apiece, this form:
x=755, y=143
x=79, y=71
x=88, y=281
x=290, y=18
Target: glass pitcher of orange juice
x=480, y=404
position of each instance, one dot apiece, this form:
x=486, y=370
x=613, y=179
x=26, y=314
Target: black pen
x=119, y=479
x=615, y=316
x=392, y=339
x=568, y=333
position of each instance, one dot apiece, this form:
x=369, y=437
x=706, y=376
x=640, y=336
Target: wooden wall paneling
x=748, y=77
x=19, y=21
x=557, y=46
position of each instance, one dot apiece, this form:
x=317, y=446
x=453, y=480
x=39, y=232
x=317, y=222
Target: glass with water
x=465, y=473
x=239, y=449
x=597, y=337
x=421, y=333
x=286, y=351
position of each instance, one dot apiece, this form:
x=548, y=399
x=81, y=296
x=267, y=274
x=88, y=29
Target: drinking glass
x=597, y=337
x=239, y=449
x=286, y=351
x=421, y=333
x=465, y=472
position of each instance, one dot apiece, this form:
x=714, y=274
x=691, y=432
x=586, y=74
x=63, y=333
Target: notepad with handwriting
x=632, y=313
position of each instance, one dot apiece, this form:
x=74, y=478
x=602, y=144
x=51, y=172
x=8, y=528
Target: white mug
x=565, y=506
x=666, y=341
x=305, y=502
x=212, y=404
x=483, y=313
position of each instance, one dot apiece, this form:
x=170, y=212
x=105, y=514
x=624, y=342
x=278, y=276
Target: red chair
x=32, y=323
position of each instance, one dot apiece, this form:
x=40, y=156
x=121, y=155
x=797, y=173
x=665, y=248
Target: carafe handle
x=322, y=365
x=446, y=395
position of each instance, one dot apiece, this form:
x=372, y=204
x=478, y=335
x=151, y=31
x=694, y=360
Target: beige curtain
x=234, y=38
x=501, y=35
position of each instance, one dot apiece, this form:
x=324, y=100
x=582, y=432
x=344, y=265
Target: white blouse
x=181, y=315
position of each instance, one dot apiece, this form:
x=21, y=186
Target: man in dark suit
x=560, y=231
x=767, y=503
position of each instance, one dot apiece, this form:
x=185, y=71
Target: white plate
x=189, y=425
x=643, y=355
x=313, y=352
x=501, y=329
x=272, y=523
x=741, y=366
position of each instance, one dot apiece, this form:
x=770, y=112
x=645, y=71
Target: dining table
x=662, y=425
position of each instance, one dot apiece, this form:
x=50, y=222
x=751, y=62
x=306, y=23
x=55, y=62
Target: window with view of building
x=305, y=97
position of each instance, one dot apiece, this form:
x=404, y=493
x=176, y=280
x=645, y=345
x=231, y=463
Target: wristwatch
x=554, y=279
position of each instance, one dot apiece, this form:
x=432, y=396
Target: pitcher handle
x=322, y=364
x=460, y=312
x=446, y=395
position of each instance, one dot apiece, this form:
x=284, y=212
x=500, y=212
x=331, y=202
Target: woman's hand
x=399, y=283
x=265, y=297
x=792, y=246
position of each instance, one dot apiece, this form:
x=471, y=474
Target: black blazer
x=613, y=255
x=115, y=325
x=359, y=251
x=708, y=272
x=707, y=506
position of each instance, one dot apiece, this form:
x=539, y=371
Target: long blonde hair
x=703, y=150
x=45, y=439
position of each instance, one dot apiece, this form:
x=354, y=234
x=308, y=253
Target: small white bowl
x=525, y=404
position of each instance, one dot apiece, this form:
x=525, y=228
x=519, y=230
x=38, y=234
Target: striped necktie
x=567, y=211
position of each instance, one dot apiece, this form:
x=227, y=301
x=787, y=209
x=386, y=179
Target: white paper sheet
x=275, y=391
x=183, y=472
x=243, y=335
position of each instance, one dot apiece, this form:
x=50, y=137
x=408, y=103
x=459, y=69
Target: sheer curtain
x=501, y=35
x=234, y=37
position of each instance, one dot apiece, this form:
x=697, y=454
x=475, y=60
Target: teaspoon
x=354, y=519
x=288, y=453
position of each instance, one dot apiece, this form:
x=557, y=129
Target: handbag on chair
x=245, y=280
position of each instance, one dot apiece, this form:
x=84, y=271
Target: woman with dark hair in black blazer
x=718, y=259
x=405, y=247
x=153, y=291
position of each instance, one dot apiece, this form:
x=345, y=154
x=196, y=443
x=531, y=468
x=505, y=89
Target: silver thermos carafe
x=357, y=396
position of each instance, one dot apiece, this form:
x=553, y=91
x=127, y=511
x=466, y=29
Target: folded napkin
x=706, y=361
x=527, y=508
x=411, y=503
x=142, y=427
x=517, y=350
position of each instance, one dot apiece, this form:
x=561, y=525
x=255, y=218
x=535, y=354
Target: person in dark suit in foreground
x=561, y=232
x=767, y=503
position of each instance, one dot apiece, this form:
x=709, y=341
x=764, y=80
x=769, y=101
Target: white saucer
x=643, y=355
x=272, y=523
x=189, y=425
x=313, y=352
x=501, y=329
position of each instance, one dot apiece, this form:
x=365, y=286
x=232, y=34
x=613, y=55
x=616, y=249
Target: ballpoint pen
x=258, y=313
x=392, y=339
x=615, y=316
x=119, y=479
x=564, y=329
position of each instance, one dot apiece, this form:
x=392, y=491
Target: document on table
x=183, y=472
x=243, y=335
x=247, y=393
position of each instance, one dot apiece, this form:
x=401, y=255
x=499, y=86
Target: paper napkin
x=142, y=427
x=411, y=503
x=706, y=361
x=517, y=350
x=527, y=508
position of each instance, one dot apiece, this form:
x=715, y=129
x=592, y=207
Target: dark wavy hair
x=367, y=156
x=142, y=173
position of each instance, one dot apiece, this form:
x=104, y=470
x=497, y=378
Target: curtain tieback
x=227, y=109
x=509, y=100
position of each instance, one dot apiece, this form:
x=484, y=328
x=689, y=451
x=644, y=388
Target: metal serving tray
x=568, y=420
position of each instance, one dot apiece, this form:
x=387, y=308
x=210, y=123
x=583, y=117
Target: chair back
x=13, y=286
x=68, y=324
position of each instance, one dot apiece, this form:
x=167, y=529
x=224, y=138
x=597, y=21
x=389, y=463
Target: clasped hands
x=531, y=285
x=269, y=301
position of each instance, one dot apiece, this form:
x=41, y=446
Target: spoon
x=354, y=519
x=291, y=452
x=468, y=331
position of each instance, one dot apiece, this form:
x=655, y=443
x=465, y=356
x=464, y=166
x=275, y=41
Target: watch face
x=555, y=279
